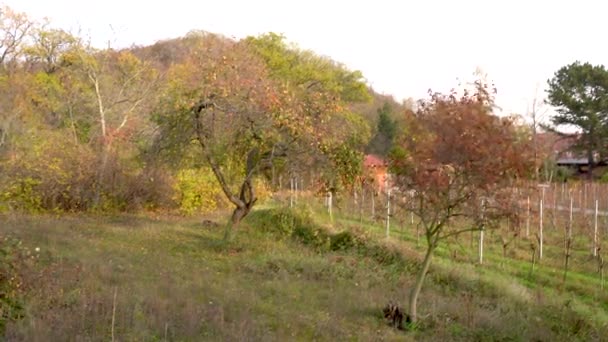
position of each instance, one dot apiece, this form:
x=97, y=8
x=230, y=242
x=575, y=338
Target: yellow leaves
x=196, y=191
x=128, y=61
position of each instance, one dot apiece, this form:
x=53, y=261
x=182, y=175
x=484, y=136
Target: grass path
x=175, y=280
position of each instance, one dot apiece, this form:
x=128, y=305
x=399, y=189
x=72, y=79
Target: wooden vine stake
x=568, y=244
x=528, y=219
x=329, y=206
x=295, y=183
x=595, y=230
x=388, y=213
x=540, y=237
x=570, y=225
x=533, y=249
x=373, y=205
x=481, y=233
x=553, y=217
x=291, y=192
x=600, y=262
x=361, y=204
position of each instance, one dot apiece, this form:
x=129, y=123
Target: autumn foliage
x=458, y=161
x=458, y=151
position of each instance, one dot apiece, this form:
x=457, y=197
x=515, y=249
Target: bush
x=277, y=222
x=604, y=178
x=197, y=191
x=286, y=222
x=343, y=241
x=383, y=254
x=64, y=176
x=57, y=176
x=15, y=261
x=20, y=194
x=299, y=225
x=312, y=235
x=563, y=173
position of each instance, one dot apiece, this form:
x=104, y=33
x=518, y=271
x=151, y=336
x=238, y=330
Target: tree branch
x=442, y=237
x=214, y=166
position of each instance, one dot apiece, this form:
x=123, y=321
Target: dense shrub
x=299, y=225
x=294, y=223
x=343, y=241
x=197, y=191
x=57, y=176
x=63, y=176
x=280, y=222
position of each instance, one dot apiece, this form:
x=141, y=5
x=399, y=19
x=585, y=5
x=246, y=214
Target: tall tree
x=14, y=28
x=123, y=86
x=48, y=46
x=457, y=161
x=221, y=104
x=580, y=94
x=382, y=141
x=242, y=114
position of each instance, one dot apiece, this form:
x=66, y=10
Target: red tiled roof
x=372, y=160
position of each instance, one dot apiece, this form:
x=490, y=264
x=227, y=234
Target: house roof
x=572, y=161
x=372, y=160
x=557, y=145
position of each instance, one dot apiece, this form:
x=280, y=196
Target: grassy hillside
x=141, y=278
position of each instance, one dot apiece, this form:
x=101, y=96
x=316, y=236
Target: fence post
x=540, y=238
x=388, y=213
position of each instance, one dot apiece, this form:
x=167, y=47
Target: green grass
x=175, y=279
x=580, y=300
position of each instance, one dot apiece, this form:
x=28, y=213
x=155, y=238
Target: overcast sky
x=402, y=47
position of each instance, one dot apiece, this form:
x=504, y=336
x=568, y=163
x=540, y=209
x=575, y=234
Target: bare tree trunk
x=554, y=211
x=567, y=248
x=361, y=205
x=101, y=173
x=330, y=205
x=355, y=201
x=481, y=232
x=291, y=192
x=243, y=203
x=238, y=215
x=388, y=213
x=601, y=270
x=540, y=239
x=419, y=281
x=528, y=218
x=373, y=205
x=591, y=164
x=533, y=260
x=273, y=181
x=481, y=246
x=295, y=184
x=72, y=123
x=568, y=245
x=595, y=246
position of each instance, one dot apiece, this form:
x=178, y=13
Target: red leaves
x=459, y=149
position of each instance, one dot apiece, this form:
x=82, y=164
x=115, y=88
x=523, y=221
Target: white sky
x=402, y=47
